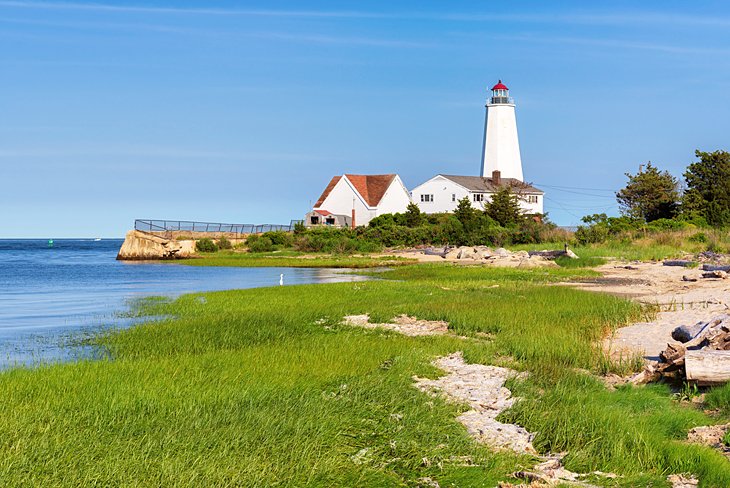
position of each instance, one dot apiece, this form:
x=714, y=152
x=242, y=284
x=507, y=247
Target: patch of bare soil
x=552, y=473
x=402, y=324
x=482, y=388
x=711, y=435
x=683, y=481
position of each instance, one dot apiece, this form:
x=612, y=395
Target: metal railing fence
x=153, y=226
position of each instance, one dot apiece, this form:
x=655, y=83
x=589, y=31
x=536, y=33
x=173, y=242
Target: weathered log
x=715, y=274
x=688, y=278
x=429, y=251
x=547, y=254
x=715, y=267
x=672, y=354
x=707, y=367
x=679, y=262
x=685, y=333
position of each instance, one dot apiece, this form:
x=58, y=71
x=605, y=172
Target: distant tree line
x=656, y=199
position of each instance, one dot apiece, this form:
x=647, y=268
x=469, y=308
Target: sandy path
x=680, y=302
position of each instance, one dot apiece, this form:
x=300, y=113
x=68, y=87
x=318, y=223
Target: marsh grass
x=266, y=387
x=646, y=246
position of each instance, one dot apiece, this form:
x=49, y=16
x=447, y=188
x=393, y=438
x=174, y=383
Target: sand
x=679, y=302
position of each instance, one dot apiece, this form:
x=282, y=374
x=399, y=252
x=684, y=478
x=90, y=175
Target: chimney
x=353, y=219
x=496, y=177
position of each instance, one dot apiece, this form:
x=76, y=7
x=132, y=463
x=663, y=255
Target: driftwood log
x=704, y=355
x=679, y=262
x=715, y=267
x=715, y=274
x=707, y=367
x=685, y=333
x=549, y=254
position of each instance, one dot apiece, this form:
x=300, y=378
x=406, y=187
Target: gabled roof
x=327, y=190
x=486, y=185
x=371, y=188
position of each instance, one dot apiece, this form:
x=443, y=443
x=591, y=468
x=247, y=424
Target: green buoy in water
x=50, y=242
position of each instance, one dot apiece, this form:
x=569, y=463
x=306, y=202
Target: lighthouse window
x=427, y=198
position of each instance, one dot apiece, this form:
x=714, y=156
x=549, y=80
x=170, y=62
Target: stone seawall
x=145, y=246
x=140, y=246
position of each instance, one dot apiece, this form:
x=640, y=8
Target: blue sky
x=242, y=111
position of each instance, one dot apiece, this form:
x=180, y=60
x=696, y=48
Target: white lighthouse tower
x=501, y=148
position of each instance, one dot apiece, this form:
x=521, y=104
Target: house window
x=532, y=199
x=479, y=197
x=453, y=197
x=426, y=198
x=314, y=220
x=330, y=221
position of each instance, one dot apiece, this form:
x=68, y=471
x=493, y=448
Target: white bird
x=281, y=279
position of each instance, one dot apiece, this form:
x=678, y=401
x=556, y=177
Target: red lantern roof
x=499, y=86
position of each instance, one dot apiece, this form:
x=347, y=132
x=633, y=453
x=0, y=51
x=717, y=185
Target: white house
x=356, y=199
x=443, y=192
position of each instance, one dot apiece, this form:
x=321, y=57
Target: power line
x=561, y=206
x=581, y=193
x=575, y=188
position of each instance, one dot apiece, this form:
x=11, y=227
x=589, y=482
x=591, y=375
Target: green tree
x=504, y=208
x=649, y=195
x=413, y=216
x=708, y=188
x=466, y=214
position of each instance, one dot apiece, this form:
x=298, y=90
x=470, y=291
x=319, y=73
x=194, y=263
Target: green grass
x=629, y=250
x=265, y=387
x=293, y=259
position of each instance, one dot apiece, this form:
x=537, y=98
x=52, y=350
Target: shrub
x=259, y=243
x=205, y=245
x=668, y=224
x=385, y=220
x=279, y=238
x=592, y=234
x=224, y=243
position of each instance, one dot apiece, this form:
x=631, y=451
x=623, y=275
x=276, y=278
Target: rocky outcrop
x=499, y=257
x=140, y=246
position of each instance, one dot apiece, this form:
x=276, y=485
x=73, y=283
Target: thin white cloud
x=272, y=35
x=616, y=43
x=612, y=18
x=179, y=10
x=141, y=151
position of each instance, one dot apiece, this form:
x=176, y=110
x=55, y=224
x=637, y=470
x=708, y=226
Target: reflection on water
x=51, y=296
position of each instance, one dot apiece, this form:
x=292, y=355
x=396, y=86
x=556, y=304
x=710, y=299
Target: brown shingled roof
x=370, y=187
x=327, y=190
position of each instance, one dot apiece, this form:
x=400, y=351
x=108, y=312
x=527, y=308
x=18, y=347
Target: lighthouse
x=501, y=148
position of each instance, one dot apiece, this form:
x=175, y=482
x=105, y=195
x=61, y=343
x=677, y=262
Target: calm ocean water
x=51, y=295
